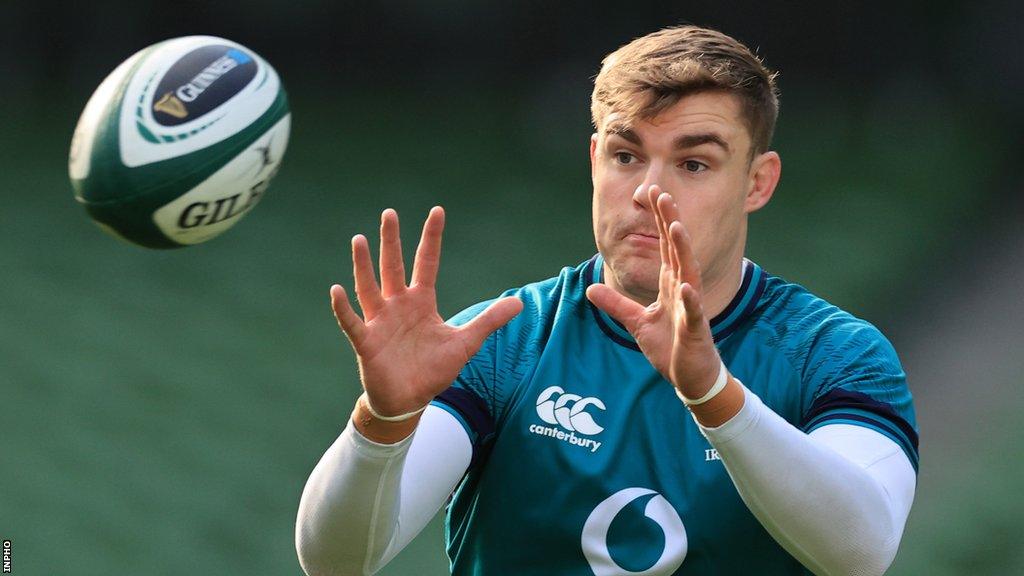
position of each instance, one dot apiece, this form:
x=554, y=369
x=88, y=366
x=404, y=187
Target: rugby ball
x=180, y=141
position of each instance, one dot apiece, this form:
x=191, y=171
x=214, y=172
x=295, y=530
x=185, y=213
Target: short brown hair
x=653, y=72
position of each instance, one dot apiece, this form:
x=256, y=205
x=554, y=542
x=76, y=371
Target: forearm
x=838, y=513
x=349, y=506
x=365, y=501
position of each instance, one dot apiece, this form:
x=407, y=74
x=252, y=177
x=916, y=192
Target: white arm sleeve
x=365, y=501
x=836, y=499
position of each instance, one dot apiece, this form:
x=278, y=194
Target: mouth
x=643, y=239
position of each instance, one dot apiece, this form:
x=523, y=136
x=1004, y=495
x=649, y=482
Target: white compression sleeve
x=836, y=499
x=365, y=501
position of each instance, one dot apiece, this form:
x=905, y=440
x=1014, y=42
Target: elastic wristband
x=399, y=418
x=723, y=379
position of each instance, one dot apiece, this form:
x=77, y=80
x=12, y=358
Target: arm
x=816, y=494
x=407, y=355
x=365, y=501
x=836, y=499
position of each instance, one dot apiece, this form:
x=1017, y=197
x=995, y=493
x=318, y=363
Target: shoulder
x=822, y=340
x=481, y=393
x=849, y=371
x=511, y=352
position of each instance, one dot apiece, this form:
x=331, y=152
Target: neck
x=719, y=287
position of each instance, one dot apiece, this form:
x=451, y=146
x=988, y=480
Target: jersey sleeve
x=853, y=376
x=481, y=393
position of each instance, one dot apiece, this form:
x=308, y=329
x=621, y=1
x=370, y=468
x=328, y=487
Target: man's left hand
x=672, y=332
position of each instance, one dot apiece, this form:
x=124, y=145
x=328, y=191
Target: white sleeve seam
x=374, y=517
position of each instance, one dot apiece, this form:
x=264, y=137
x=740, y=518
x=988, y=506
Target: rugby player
x=665, y=407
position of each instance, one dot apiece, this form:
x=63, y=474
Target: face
x=698, y=151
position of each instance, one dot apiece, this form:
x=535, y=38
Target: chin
x=638, y=279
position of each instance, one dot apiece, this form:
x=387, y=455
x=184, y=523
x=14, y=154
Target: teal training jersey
x=585, y=461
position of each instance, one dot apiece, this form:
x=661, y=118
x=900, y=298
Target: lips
x=642, y=233
x=643, y=240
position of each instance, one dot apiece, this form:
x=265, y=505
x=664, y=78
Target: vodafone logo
x=569, y=413
x=658, y=509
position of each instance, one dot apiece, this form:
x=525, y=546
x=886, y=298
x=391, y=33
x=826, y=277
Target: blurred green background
x=161, y=410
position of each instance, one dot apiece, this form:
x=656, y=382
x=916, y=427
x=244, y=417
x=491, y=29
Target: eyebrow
x=694, y=140
x=682, y=142
x=624, y=133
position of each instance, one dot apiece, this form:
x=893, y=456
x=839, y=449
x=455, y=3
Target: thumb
x=495, y=316
x=619, y=307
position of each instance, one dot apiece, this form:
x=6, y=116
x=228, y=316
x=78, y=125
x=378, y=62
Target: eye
x=624, y=158
x=694, y=166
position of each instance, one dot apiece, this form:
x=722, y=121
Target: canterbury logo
x=169, y=104
x=568, y=411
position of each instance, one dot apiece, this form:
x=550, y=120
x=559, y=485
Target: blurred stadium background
x=160, y=411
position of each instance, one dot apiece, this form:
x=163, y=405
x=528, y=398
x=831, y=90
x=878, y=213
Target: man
x=666, y=407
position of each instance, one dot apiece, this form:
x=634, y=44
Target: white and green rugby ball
x=180, y=141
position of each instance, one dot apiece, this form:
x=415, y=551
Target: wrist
x=365, y=400
x=722, y=407
x=383, y=429
x=717, y=404
x=716, y=387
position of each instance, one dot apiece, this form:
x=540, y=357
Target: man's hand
x=407, y=355
x=673, y=331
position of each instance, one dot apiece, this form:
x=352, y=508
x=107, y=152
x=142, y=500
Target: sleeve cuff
x=376, y=450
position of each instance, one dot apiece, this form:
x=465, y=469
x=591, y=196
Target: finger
x=348, y=320
x=392, y=269
x=683, y=246
x=428, y=253
x=665, y=285
x=669, y=216
x=367, y=290
x=652, y=196
x=619, y=307
x=495, y=316
x=694, y=310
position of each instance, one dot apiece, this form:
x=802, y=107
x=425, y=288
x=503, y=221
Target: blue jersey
x=585, y=461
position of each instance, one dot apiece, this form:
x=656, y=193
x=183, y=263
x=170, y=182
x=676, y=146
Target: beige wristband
x=399, y=418
x=719, y=385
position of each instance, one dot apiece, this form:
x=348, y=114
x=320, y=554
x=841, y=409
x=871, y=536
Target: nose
x=640, y=195
x=652, y=177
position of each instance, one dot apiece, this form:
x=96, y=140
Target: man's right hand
x=407, y=354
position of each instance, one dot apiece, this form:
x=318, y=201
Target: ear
x=593, y=150
x=765, y=171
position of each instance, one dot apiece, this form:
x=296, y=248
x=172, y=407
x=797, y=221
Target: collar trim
x=722, y=325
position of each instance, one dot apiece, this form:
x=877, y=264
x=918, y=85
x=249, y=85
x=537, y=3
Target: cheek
x=607, y=201
x=709, y=215
x=602, y=218
x=714, y=232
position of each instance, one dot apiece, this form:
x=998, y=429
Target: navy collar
x=722, y=325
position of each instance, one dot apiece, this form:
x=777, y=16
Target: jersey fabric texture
x=585, y=461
